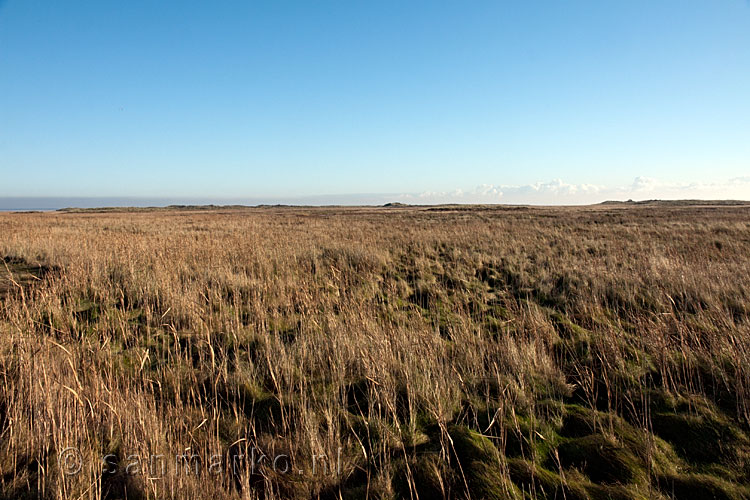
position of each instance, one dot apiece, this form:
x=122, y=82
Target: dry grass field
x=397, y=352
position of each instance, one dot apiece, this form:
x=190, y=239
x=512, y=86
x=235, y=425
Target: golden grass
x=482, y=353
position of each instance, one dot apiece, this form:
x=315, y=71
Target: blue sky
x=550, y=101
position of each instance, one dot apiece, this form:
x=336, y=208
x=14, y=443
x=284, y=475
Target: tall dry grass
x=383, y=353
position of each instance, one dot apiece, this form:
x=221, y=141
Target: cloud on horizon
x=555, y=192
x=558, y=192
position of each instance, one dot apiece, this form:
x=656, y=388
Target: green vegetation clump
x=479, y=465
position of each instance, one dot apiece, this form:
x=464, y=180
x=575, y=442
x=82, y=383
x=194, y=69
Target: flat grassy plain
x=397, y=352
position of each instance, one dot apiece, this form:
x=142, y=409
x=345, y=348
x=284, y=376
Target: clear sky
x=434, y=99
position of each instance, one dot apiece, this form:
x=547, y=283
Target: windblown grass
x=599, y=352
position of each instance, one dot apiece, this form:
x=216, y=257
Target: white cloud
x=558, y=192
x=735, y=188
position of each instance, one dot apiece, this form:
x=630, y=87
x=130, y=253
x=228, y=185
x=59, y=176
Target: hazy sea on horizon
x=12, y=204
x=46, y=204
